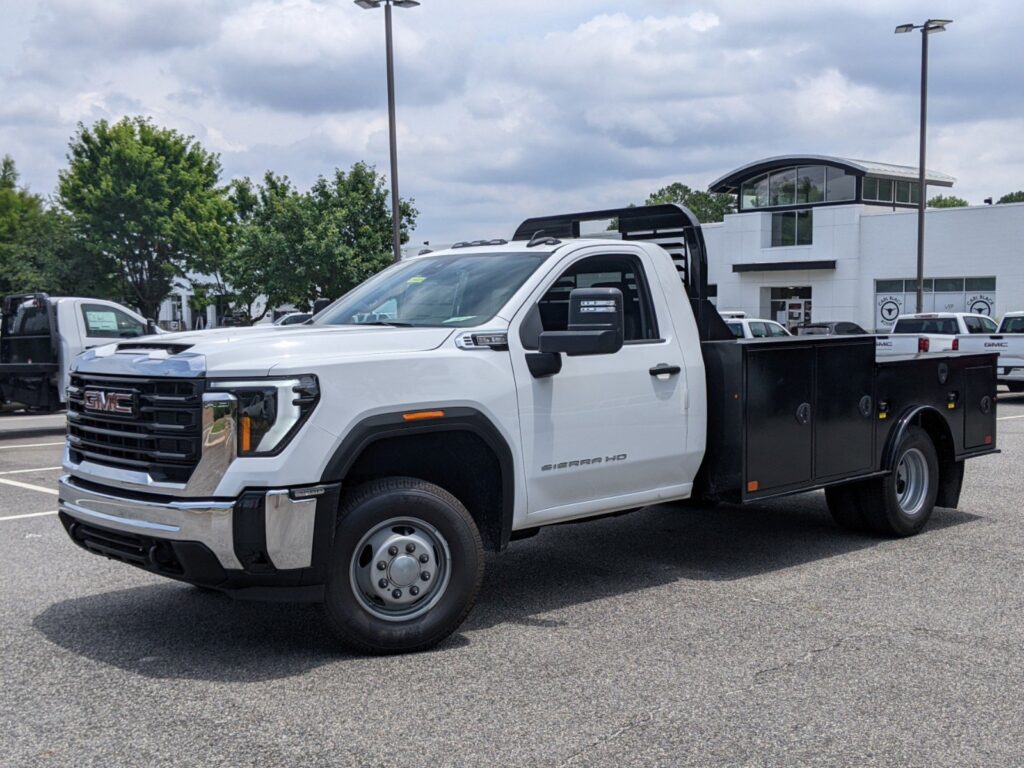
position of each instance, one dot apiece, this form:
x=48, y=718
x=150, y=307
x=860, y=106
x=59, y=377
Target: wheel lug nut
x=392, y=550
x=425, y=575
x=424, y=557
x=414, y=591
x=383, y=583
x=382, y=566
x=396, y=594
x=410, y=547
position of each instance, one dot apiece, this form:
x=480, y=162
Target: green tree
x=1011, y=197
x=294, y=247
x=350, y=236
x=706, y=206
x=147, y=200
x=263, y=268
x=947, y=201
x=37, y=249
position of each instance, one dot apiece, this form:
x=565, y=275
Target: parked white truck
x=1008, y=342
x=928, y=332
x=40, y=335
x=471, y=396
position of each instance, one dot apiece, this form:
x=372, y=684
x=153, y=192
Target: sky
x=516, y=108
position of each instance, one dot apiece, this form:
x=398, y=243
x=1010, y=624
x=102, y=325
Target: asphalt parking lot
x=758, y=636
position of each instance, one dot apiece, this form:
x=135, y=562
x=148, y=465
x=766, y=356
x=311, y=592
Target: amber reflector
x=420, y=415
x=246, y=438
x=752, y=486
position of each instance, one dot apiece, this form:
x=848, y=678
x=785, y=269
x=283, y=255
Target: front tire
x=406, y=567
x=901, y=503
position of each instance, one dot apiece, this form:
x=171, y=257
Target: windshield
x=455, y=291
x=945, y=325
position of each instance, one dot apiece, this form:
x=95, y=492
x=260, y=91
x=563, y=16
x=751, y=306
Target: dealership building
x=829, y=238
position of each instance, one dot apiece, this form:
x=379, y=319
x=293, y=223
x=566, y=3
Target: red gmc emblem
x=109, y=402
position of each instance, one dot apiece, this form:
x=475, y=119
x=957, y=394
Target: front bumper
x=275, y=537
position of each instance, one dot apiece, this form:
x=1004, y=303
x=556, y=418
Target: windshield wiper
x=392, y=323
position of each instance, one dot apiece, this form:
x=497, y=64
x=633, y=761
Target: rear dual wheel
x=898, y=504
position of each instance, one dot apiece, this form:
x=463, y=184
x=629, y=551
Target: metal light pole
x=396, y=213
x=930, y=26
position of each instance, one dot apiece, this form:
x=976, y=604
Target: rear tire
x=845, y=502
x=405, y=569
x=901, y=503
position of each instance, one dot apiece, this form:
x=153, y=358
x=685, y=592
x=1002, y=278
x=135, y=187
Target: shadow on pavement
x=170, y=630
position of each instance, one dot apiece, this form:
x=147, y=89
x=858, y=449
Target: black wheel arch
x=459, y=419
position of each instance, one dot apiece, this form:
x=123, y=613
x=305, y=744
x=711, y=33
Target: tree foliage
x=146, y=204
x=37, y=248
x=706, y=206
x=295, y=247
x=1011, y=197
x=947, y=201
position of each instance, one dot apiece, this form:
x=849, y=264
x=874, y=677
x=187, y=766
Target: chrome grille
x=162, y=435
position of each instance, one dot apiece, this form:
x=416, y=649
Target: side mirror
x=595, y=324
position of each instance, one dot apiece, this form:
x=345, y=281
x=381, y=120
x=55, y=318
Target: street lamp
x=396, y=213
x=930, y=26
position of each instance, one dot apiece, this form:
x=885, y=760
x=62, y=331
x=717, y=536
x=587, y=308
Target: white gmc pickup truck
x=468, y=397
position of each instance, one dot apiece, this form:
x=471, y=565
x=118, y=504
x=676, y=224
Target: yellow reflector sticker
x=415, y=280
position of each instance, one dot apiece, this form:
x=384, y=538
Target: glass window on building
x=980, y=284
x=755, y=193
x=903, y=192
x=870, y=189
x=885, y=190
x=782, y=187
x=839, y=185
x=810, y=184
x=792, y=228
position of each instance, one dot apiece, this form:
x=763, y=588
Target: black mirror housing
x=595, y=324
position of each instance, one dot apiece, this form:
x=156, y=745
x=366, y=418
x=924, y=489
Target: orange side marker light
x=422, y=415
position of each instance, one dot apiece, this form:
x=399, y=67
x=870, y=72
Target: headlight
x=270, y=411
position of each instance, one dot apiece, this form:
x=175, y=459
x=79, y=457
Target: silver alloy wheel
x=912, y=482
x=400, y=569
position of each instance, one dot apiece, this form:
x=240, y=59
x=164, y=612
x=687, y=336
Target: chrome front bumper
x=289, y=522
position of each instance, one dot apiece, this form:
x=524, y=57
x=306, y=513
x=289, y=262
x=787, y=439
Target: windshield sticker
x=416, y=280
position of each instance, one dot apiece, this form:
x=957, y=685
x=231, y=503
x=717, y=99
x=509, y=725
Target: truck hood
x=254, y=351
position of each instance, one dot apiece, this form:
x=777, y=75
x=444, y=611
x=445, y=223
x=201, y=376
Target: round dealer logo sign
x=981, y=307
x=889, y=310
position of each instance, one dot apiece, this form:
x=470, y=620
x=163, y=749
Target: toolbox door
x=979, y=406
x=844, y=424
x=780, y=394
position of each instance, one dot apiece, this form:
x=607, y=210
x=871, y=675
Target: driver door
x=604, y=432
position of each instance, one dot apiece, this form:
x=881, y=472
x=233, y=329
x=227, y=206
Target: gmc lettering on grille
x=109, y=402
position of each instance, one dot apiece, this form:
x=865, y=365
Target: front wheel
x=901, y=503
x=406, y=567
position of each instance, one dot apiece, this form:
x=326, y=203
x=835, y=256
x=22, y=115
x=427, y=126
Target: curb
x=18, y=434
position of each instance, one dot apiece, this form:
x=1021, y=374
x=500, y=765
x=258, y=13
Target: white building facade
x=825, y=238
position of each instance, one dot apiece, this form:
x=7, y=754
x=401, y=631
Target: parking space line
x=1007, y=418
x=28, y=445
x=29, y=486
x=24, y=471
x=30, y=514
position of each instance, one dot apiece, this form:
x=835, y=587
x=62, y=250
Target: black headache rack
x=29, y=350
x=671, y=226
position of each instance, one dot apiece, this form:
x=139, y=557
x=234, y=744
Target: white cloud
x=511, y=108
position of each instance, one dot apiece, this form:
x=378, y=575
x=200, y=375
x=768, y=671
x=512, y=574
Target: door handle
x=663, y=369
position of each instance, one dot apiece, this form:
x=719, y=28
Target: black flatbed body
x=795, y=414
